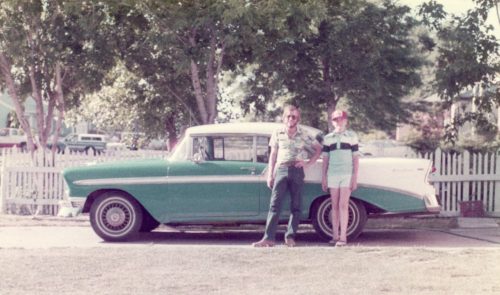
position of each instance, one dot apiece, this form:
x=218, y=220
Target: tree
x=361, y=52
x=55, y=51
x=467, y=58
x=128, y=103
x=181, y=49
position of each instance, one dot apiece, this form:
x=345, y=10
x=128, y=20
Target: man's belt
x=289, y=163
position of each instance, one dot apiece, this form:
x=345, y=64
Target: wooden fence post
x=495, y=211
x=3, y=187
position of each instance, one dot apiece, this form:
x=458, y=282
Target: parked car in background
x=116, y=146
x=385, y=148
x=12, y=137
x=88, y=143
x=217, y=175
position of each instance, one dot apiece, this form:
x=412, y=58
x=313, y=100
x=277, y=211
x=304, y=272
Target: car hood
x=122, y=169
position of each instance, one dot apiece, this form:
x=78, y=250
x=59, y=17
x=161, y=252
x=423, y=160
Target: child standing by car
x=340, y=173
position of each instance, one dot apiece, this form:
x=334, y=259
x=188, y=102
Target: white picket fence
x=465, y=176
x=34, y=185
x=28, y=189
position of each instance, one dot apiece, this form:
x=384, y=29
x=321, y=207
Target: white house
x=7, y=107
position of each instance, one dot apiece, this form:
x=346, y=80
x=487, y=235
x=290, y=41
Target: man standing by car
x=290, y=147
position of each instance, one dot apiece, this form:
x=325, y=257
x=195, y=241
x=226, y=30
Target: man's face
x=291, y=118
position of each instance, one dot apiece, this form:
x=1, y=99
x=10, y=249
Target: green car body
x=217, y=175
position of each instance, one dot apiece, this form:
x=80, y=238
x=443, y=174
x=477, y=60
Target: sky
x=458, y=7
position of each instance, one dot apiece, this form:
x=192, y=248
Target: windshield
x=180, y=151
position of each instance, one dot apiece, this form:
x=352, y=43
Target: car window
x=224, y=148
x=4, y=132
x=263, y=149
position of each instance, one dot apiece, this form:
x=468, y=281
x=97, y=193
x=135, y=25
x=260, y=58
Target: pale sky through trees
x=458, y=7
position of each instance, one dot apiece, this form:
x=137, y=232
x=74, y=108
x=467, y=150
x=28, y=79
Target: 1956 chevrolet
x=217, y=175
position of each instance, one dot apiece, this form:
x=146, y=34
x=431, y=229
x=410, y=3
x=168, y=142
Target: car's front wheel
x=322, y=218
x=115, y=216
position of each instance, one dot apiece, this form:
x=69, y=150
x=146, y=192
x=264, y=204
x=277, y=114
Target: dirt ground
x=240, y=270
x=214, y=269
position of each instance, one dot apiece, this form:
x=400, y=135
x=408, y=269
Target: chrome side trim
x=400, y=191
x=173, y=180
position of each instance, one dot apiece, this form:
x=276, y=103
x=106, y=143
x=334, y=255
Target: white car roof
x=264, y=128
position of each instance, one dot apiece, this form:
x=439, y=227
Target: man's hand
x=270, y=182
x=324, y=185
x=300, y=164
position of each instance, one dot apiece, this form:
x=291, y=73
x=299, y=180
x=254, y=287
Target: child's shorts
x=337, y=181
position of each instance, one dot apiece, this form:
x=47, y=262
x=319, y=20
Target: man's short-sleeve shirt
x=299, y=147
x=340, y=147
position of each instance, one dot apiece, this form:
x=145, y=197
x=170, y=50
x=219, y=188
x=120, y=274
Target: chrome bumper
x=430, y=200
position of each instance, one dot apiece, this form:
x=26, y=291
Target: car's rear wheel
x=322, y=218
x=115, y=216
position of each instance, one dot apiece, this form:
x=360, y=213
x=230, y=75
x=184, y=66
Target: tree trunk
x=211, y=82
x=59, y=100
x=198, y=92
x=206, y=99
x=195, y=78
x=171, y=131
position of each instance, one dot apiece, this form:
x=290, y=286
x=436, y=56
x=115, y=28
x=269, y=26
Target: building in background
x=7, y=111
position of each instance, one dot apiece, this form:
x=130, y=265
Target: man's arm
x=270, y=167
x=317, y=153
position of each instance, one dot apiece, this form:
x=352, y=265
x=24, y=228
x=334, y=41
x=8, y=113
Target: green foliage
x=181, y=48
x=363, y=55
x=467, y=58
x=331, y=50
x=427, y=132
x=55, y=51
x=473, y=145
x=46, y=32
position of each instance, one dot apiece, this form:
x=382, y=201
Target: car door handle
x=251, y=169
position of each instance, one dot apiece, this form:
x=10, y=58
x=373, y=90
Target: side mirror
x=198, y=158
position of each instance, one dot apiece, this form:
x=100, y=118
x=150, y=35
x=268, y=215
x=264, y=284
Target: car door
x=223, y=181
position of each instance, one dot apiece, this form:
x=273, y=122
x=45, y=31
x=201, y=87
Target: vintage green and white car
x=217, y=175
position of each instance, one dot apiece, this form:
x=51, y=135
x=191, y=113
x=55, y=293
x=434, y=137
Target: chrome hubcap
x=326, y=220
x=116, y=216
